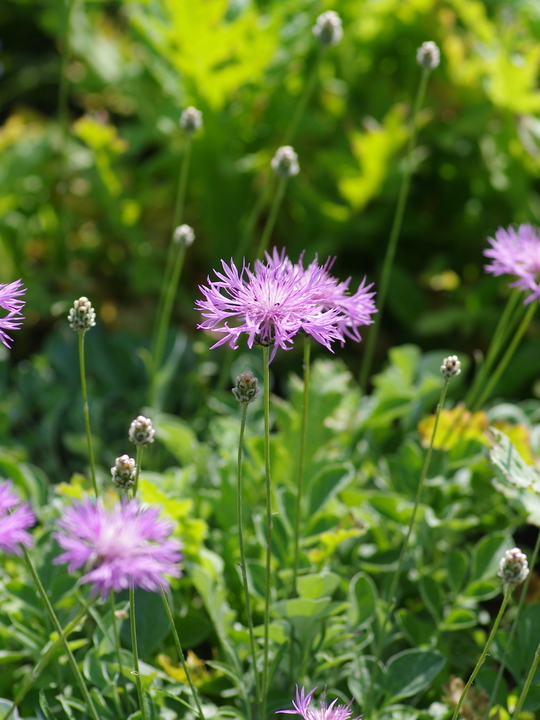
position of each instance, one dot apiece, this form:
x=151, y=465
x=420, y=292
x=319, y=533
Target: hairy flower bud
x=513, y=567
x=285, y=162
x=247, y=388
x=450, y=367
x=328, y=29
x=124, y=471
x=428, y=55
x=184, y=235
x=141, y=431
x=191, y=120
x=82, y=315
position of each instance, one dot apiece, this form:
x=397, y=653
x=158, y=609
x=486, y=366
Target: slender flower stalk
x=62, y=634
x=301, y=461
x=135, y=652
x=268, y=485
x=181, y=653
x=396, y=227
x=246, y=391
x=508, y=355
x=117, y=646
x=272, y=217
x=528, y=682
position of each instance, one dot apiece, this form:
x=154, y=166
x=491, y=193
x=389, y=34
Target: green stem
x=44, y=661
x=388, y=262
x=268, y=485
x=501, y=332
x=116, y=638
x=135, y=651
x=86, y=411
x=181, y=652
x=501, y=367
x=302, y=103
x=239, y=496
x=514, y=627
x=272, y=216
x=507, y=593
x=527, y=685
x=301, y=461
x=255, y=214
x=61, y=633
x=391, y=600
x=138, y=460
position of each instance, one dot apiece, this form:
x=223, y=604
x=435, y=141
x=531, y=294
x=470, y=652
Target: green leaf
x=411, y=672
x=177, y=436
x=456, y=563
x=149, y=634
x=459, y=619
x=486, y=555
x=511, y=465
x=432, y=596
x=362, y=598
x=5, y=707
x=301, y=607
x=314, y=587
x=416, y=631
x=45, y=707
x=360, y=680
x=326, y=484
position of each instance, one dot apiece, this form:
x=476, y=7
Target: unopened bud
x=328, y=29
x=191, y=120
x=82, y=315
x=428, y=55
x=451, y=367
x=124, y=472
x=285, y=162
x=513, y=567
x=184, y=235
x=141, y=431
x=247, y=388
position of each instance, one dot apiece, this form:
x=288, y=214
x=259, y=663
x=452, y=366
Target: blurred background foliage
x=88, y=211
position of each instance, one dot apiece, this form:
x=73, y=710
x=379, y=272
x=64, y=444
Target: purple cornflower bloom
x=127, y=545
x=517, y=252
x=10, y=301
x=303, y=707
x=353, y=310
x=269, y=304
x=14, y=522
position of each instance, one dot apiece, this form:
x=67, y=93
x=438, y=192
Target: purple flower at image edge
x=15, y=519
x=10, y=300
x=517, y=252
x=127, y=545
x=304, y=707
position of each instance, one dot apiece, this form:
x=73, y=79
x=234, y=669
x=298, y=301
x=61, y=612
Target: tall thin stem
x=527, y=685
x=86, y=411
x=391, y=600
x=266, y=357
x=388, y=262
x=138, y=461
x=62, y=634
x=272, y=216
x=501, y=367
x=301, y=461
x=116, y=637
x=239, y=497
x=135, y=652
x=181, y=652
x=507, y=593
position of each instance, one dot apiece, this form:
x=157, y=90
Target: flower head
x=451, y=367
x=82, y=315
x=141, y=431
x=517, y=252
x=124, y=472
x=15, y=519
x=270, y=304
x=285, y=162
x=513, y=567
x=184, y=235
x=191, y=120
x=304, y=707
x=428, y=55
x=10, y=300
x=247, y=388
x=328, y=29
x=119, y=548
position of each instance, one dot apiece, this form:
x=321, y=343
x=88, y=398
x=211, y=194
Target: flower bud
x=247, y=388
x=513, y=567
x=328, y=29
x=141, y=431
x=285, y=162
x=184, y=235
x=450, y=367
x=124, y=471
x=428, y=55
x=82, y=315
x=191, y=120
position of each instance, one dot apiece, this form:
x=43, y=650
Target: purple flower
x=517, y=252
x=304, y=707
x=127, y=545
x=11, y=302
x=14, y=521
x=268, y=304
